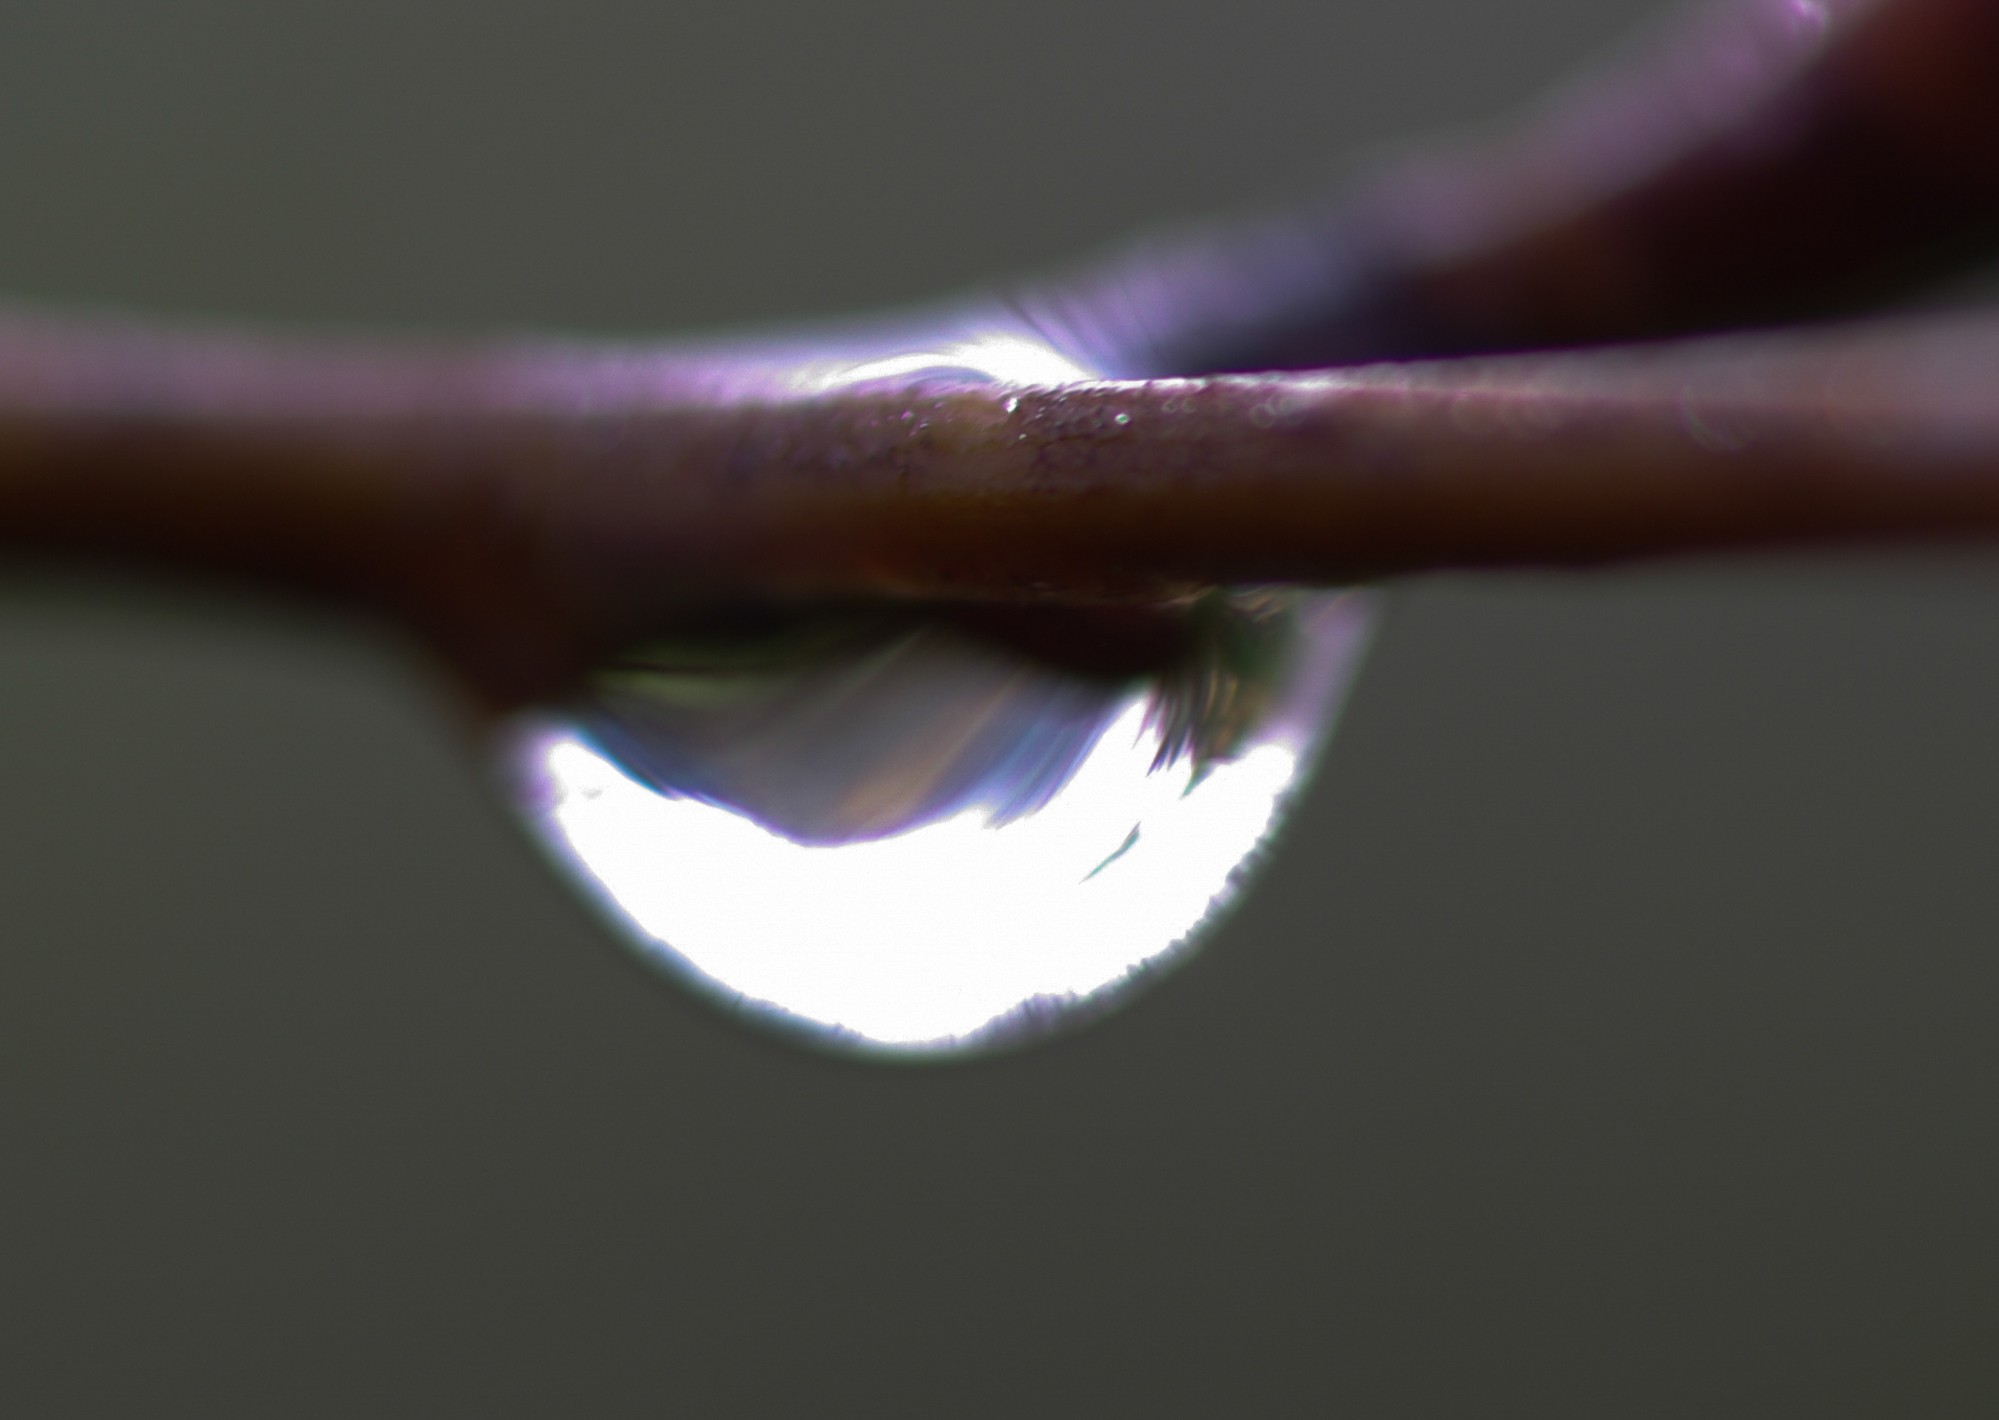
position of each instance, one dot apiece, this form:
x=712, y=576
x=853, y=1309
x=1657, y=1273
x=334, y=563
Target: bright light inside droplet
x=932, y=934
x=958, y=932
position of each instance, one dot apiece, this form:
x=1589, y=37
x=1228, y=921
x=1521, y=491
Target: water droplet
x=917, y=839
x=1123, y=418
x=892, y=832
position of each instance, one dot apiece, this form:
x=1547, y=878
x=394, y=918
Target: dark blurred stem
x=1760, y=161
x=528, y=514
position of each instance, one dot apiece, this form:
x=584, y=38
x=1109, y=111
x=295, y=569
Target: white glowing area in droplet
x=914, y=940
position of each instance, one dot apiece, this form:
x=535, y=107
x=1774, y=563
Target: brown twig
x=530, y=512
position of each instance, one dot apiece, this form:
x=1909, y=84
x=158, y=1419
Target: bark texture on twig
x=527, y=529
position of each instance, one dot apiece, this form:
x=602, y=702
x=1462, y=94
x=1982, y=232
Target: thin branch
x=530, y=511
x=1757, y=161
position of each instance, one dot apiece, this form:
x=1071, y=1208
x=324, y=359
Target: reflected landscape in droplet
x=931, y=844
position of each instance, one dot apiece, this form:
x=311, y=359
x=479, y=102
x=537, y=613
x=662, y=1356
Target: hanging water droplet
x=941, y=832
x=920, y=840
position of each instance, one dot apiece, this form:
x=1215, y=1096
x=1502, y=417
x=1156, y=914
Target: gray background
x=1613, y=1035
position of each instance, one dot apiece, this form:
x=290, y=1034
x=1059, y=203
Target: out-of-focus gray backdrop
x=1616, y=1033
